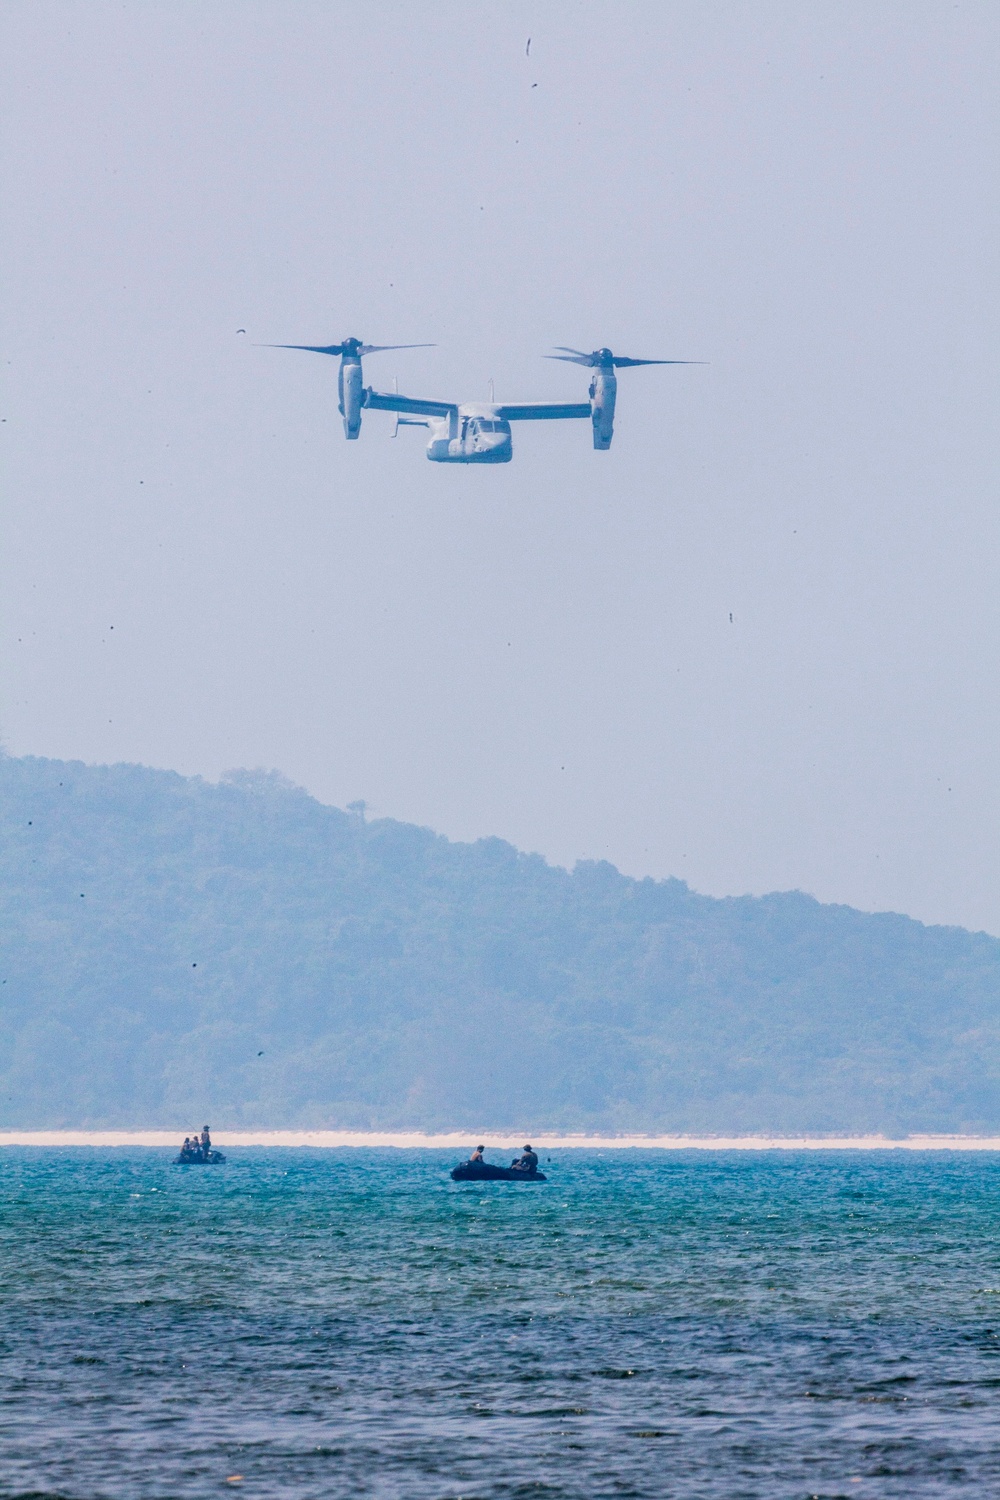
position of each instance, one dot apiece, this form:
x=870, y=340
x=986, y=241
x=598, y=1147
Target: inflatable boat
x=484, y=1171
x=199, y=1158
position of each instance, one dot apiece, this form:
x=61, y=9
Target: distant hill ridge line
x=265, y=781
x=172, y=947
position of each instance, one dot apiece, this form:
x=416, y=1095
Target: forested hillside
x=171, y=949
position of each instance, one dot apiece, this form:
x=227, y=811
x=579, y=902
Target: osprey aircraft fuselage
x=475, y=432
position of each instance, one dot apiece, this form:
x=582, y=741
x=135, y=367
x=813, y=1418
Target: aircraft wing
x=409, y=405
x=544, y=411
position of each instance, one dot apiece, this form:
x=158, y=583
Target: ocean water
x=352, y=1323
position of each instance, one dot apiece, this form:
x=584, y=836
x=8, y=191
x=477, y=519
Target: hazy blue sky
x=756, y=645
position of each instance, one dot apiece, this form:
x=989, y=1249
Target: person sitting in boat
x=477, y=1155
x=526, y=1162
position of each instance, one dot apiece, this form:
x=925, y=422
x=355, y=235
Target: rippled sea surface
x=352, y=1323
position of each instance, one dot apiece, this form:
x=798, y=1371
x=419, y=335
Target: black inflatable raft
x=484, y=1171
x=199, y=1159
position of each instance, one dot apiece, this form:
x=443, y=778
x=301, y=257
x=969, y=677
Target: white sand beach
x=463, y=1140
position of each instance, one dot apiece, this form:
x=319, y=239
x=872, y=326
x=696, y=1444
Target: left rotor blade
x=309, y=348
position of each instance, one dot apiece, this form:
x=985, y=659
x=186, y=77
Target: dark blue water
x=351, y=1323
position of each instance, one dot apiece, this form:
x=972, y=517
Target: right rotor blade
x=620, y=362
x=381, y=348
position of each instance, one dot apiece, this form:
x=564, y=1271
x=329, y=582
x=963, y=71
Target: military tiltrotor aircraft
x=475, y=432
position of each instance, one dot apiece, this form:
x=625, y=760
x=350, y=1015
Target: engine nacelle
x=351, y=391
x=603, y=394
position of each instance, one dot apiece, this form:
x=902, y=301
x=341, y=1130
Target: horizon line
x=416, y=1140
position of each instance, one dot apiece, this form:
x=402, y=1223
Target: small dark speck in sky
x=527, y=50
x=259, y=1054
x=241, y=330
